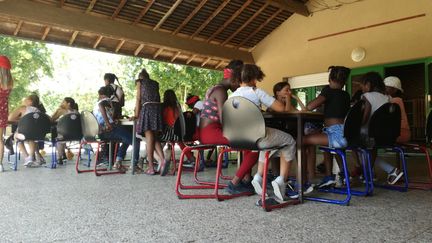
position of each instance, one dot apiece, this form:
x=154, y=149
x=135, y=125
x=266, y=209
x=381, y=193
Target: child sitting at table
x=30, y=104
x=250, y=75
x=336, y=103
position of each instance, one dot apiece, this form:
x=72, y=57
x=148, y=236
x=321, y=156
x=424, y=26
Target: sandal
x=150, y=171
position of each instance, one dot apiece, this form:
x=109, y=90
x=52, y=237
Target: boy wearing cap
x=393, y=88
x=6, y=84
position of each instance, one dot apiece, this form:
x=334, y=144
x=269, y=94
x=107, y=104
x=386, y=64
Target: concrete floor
x=44, y=205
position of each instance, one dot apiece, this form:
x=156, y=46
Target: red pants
x=250, y=158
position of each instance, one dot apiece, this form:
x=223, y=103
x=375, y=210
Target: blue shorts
x=335, y=136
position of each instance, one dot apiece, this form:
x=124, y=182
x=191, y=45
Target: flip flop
x=150, y=171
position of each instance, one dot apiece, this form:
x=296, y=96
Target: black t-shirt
x=337, y=103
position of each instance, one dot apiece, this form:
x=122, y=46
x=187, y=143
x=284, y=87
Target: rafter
x=98, y=40
x=260, y=27
x=205, y=62
x=291, y=6
x=246, y=23
x=175, y=56
x=144, y=11
x=158, y=52
x=119, y=8
x=216, y=12
x=138, y=50
x=189, y=60
x=61, y=3
x=90, y=6
x=18, y=27
x=190, y=16
x=230, y=20
x=219, y=64
x=45, y=33
x=165, y=17
x=72, y=39
x=119, y=46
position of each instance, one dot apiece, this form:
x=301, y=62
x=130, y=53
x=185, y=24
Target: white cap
x=394, y=82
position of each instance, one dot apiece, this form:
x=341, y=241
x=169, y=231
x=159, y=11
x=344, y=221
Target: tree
x=30, y=62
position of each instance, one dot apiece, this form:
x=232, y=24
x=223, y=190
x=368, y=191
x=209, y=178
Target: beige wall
x=287, y=51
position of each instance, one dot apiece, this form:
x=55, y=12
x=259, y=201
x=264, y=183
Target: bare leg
x=311, y=161
x=150, y=147
x=159, y=151
x=23, y=149
x=61, y=149
x=32, y=148
x=284, y=168
x=328, y=162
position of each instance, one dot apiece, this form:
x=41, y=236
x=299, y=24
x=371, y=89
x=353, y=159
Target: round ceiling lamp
x=358, y=54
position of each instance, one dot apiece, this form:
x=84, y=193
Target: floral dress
x=150, y=117
x=4, y=97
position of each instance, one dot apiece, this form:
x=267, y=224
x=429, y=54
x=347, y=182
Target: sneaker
x=269, y=202
x=28, y=162
x=1, y=168
x=279, y=190
x=257, y=185
x=394, y=176
x=327, y=181
x=239, y=188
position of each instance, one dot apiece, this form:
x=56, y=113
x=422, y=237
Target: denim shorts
x=335, y=136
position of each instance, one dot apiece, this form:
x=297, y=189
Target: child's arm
x=57, y=114
x=318, y=101
x=15, y=115
x=277, y=106
x=302, y=106
x=220, y=97
x=105, y=117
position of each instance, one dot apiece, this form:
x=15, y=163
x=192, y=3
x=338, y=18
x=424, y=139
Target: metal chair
x=68, y=129
x=243, y=125
x=90, y=130
x=384, y=129
x=32, y=126
x=352, y=126
x=422, y=148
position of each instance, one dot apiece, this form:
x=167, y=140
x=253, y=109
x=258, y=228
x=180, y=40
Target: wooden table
x=300, y=118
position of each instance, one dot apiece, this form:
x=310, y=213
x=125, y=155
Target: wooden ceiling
x=205, y=33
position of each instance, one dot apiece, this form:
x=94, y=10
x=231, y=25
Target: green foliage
x=30, y=62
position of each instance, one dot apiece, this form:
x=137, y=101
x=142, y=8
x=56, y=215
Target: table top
x=299, y=114
x=126, y=122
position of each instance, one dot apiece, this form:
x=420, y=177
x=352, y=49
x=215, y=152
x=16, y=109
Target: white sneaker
x=394, y=176
x=1, y=168
x=28, y=162
x=257, y=186
x=279, y=190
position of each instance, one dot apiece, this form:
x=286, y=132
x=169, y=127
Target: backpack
x=121, y=99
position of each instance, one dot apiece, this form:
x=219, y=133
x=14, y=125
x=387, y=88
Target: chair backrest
x=89, y=125
x=243, y=123
x=385, y=124
x=429, y=127
x=69, y=127
x=353, y=123
x=33, y=126
x=185, y=126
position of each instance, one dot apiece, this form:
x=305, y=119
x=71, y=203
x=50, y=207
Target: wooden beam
x=144, y=11
x=190, y=59
x=291, y=6
x=61, y=3
x=220, y=63
x=246, y=23
x=119, y=46
x=205, y=62
x=175, y=56
x=72, y=39
x=18, y=27
x=118, y=9
x=260, y=27
x=138, y=50
x=210, y=18
x=165, y=17
x=158, y=52
x=78, y=21
x=237, y=13
x=90, y=6
x=190, y=16
x=45, y=33
x=98, y=40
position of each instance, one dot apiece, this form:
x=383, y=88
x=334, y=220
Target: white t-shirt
x=376, y=100
x=199, y=105
x=255, y=95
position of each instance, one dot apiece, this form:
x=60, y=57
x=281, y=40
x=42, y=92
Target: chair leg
x=404, y=187
x=101, y=172
x=53, y=156
x=424, y=185
x=17, y=157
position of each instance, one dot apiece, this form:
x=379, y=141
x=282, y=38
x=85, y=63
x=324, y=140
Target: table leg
x=300, y=158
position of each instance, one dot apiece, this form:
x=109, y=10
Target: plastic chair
x=243, y=125
x=32, y=126
x=384, y=129
x=68, y=130
x=352, y=126
x=423, y=148
x=90, y=130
